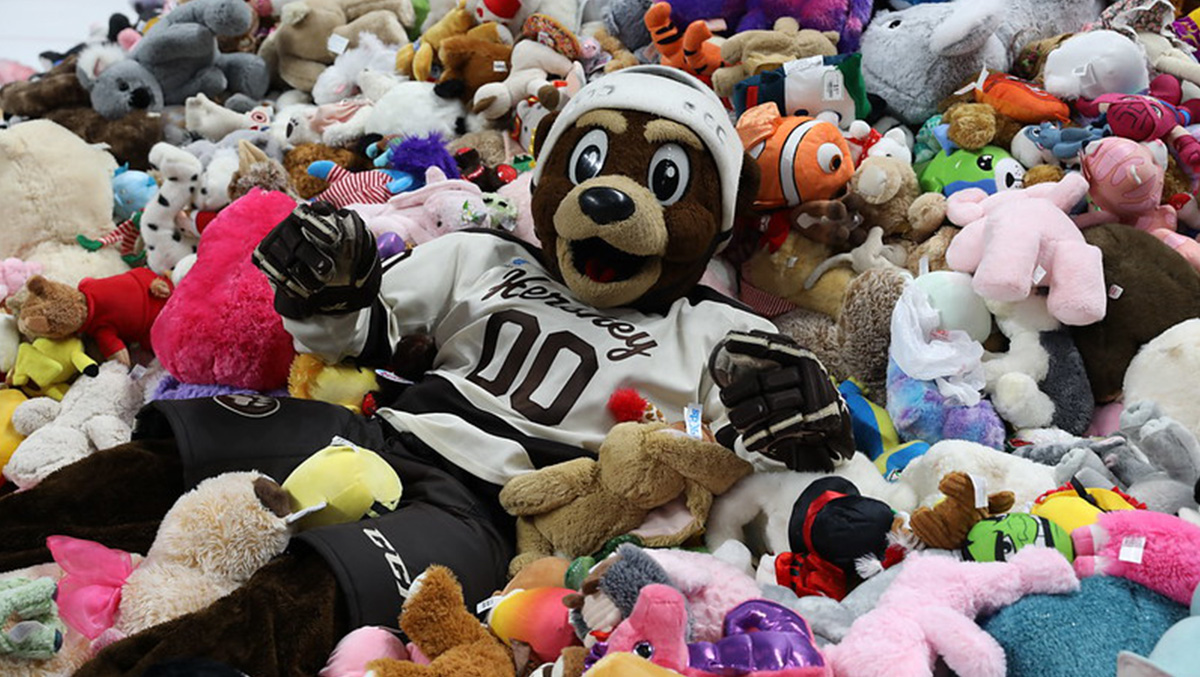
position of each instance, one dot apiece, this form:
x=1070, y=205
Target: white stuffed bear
x=96, y=413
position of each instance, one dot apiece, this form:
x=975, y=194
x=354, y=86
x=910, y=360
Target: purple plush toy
x=920, y=412
x=847, y=17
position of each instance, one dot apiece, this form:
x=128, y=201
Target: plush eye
x=644, y=649
x=669, y=173
x=1009, y=174
x=291, y=127
x=122, y=85
x=984, y=162
x=829, y=157
x=588, y=157
x=894, y=24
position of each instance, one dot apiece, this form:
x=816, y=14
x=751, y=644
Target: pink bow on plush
x=90, y=591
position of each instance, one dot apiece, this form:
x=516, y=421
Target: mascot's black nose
x=140, y=98
x=605, y=205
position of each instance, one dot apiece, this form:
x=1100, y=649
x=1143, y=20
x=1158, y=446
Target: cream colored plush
x=209, y=543
x=1164, y=371
x=54, y=186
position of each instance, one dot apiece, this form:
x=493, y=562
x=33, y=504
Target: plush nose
x=140, y=98
x=605, y=205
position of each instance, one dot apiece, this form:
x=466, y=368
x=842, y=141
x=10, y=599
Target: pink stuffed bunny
x=1126, y=187
x=1167, y=562
x=930, y=611
x=1019, y=239
x=441, y=206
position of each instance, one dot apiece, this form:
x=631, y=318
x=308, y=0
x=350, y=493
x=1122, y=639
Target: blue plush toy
x=1177, y=653
x=920, y=412
x=1080, y=634
x=131, y=191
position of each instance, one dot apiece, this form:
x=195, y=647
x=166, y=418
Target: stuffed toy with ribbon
x=210, y=543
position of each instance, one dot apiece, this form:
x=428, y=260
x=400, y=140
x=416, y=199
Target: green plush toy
x=38, y=634
x=990, y=168
x=995, y=539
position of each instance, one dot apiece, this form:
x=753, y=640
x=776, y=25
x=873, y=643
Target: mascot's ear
x=542, y=131
x=747, y=186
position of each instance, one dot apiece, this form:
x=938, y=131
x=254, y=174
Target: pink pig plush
x=1160, y=551
x=1016, y=240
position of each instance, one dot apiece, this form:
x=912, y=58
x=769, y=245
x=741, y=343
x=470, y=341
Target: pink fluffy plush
x=711, y=587
x=220, y=326
x=361, y=646
x=930, y=611
x=1169, y=564
x=1019, y=239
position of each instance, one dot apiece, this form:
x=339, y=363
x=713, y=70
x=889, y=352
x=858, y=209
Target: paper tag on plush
x=499, y=67
x=137, y=372
x=803, y=64
x=717, y=25
x=1132, y=548
x=978, y=84
x=337, y=44
x=489, y=603
x=693, y=419
x=833, y=87
x=301, y=514
x=1115, y=291
x=339, y=441
x=1039, y=274
x=980, y=484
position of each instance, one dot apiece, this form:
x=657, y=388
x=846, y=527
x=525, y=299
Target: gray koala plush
x=178, y=58
x=916, y=57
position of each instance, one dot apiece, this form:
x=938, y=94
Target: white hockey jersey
x=524, y=370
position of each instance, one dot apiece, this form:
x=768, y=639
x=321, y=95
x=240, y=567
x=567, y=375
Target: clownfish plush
x=801, y=158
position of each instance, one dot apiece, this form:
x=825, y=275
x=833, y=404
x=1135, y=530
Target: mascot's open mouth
x=601, y=262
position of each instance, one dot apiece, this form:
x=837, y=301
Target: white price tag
x=803, y=64
x=981, y=496
x=499, y=67
x=1132, y=548
x=833, y=86
x=1039, y=274
x=1115, y=291
x=337, y=44
x=488, y=604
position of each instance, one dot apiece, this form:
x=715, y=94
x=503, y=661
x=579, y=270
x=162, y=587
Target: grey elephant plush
x=916, y=57
x=176, y=59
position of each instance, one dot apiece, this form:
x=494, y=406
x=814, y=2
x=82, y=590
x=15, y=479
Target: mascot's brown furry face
x=633, y=200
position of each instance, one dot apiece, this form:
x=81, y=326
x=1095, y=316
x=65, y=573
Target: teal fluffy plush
x=1079, y=635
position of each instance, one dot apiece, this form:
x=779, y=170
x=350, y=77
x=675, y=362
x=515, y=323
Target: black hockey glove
x=320, y=260
x=781, y=400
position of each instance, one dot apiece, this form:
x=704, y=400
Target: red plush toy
x=113, y=311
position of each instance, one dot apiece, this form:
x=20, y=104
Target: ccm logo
x=399, y=570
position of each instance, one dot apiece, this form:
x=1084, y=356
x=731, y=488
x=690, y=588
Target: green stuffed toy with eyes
x=990, y=168
x=995, y=539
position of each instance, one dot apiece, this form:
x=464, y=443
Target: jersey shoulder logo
x=249, y=406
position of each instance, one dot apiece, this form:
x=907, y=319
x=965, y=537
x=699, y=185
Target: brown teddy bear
x=436, y=619
x=112, y=310
x=886, y=193
x=575, y=507
x=773, y=277
x=469, y=62
x=297, y=160
x=299, y=49
x=752, y=52
x=946, y=524
x=416, y=60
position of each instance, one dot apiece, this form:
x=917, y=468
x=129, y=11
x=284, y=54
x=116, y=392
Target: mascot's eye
x=1009, y=174
x=984, y=162
x=588, y=157
x=644, y=649
x=829, y=157
x=669, y=173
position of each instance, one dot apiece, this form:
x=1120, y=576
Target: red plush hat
x=505, y=9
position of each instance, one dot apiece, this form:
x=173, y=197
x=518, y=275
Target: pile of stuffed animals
x=981, y=216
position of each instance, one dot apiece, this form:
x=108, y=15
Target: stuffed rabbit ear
x=968, y=27
x=965, y=206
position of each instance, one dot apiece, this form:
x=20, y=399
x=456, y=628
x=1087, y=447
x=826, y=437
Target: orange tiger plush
x=690, y=51
x=801, y=158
